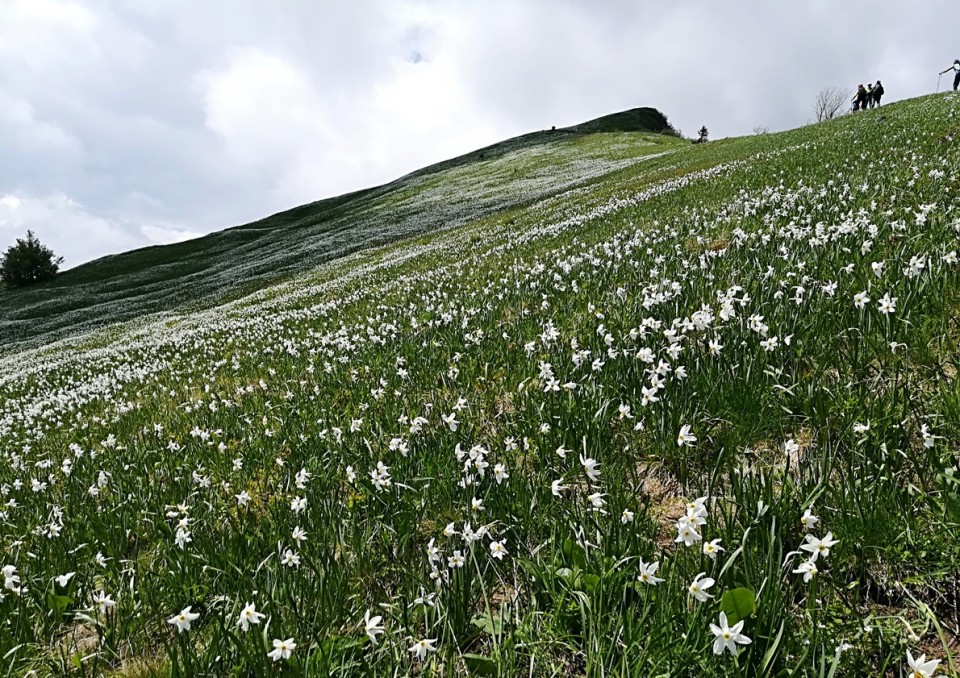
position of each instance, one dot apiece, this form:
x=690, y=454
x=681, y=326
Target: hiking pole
x=938, y=82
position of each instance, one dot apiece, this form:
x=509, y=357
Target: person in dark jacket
x=877, y=93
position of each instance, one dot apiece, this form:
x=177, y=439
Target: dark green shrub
x=28, y=261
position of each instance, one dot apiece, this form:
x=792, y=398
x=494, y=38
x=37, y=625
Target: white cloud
x=46, y=33
x=158, y=235
x=303, y=143
x=65, y=226
x=11, y=202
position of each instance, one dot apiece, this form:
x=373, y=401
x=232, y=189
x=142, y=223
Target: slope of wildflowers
x=695, y=415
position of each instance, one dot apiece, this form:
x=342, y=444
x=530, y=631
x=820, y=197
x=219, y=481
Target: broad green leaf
x=490, y=624
x=480, y=665
x=591, y=582
x=57, y=603
x=574, y=553
x=738, y=604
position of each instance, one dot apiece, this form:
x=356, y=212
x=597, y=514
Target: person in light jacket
x=956, y=69
x=860, y=99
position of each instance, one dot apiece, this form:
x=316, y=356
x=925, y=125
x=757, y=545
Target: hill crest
x=243, y=258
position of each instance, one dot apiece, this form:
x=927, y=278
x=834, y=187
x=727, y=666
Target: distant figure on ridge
x=877, y=93
x=956, y=69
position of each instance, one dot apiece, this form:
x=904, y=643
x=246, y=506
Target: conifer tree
x=28, y=261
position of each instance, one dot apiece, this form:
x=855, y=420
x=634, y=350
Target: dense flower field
x=697, y=415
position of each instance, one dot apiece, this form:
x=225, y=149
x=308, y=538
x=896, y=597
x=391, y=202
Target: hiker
x=877, y=93
x=860, y=99
x=869, y=103
x=956, y=69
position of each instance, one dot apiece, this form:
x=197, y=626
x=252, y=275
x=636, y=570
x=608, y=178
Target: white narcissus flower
x=698, y=588
x=819, y=547
x=297, y=504
x=183, y=620
x=282, y=649
x=64, y=579
x=687, y=534
x=422, y=647
x=597, y=502
x=929, y=440
x=920, y=667
x=808, y=569
x=372, y=626
x=104, y=602
x=887, y=304
x=728, y=636
x=685, y=437
x=648, y=573
x=697, y=509
x=456, y=560
x=497, y=549
x=433, y=552
x=808, y=520
x=712, y=548
x=590, y=467
x=248, y=616
x=557, y=486
x=290, y=558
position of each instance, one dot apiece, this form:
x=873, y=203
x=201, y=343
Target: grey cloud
x=129, y=122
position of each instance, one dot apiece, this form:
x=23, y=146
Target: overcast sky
x=126, y=123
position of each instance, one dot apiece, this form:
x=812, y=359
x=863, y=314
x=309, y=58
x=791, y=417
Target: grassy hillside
x=238, y=260
x=628, y=387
